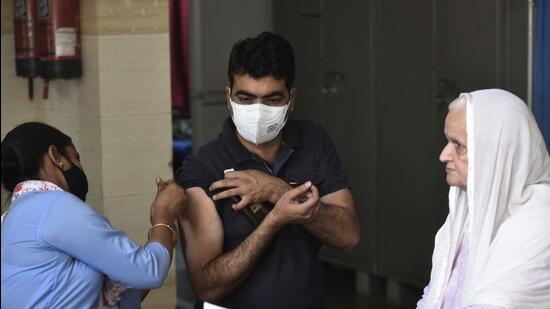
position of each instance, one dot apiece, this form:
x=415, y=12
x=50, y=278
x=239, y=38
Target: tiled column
x=134, y=115
x=134, y=107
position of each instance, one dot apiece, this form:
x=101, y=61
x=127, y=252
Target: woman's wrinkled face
x=455, y=153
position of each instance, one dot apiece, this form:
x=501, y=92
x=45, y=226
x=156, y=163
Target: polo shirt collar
x=237, y=150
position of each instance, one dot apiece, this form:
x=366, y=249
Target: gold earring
x=61, y=163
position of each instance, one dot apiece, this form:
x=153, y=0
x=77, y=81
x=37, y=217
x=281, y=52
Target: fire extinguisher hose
x=31, y=88
x=46, y=90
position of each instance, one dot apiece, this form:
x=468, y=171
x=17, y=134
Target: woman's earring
x=60, y=163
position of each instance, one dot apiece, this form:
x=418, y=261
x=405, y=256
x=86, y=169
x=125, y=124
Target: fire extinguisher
x=59, y=40
x=26, y=45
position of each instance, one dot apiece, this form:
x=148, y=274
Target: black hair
x=264, y=55
x=23, y=149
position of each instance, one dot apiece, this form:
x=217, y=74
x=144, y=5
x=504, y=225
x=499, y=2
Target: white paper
x=65, y=42
x=212, y=306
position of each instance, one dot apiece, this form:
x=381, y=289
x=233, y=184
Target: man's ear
x=293, y=96
x=227, y=91
x=55, y=156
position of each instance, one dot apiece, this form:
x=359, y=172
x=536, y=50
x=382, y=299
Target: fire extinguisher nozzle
x=45, y=92
x=31, y=89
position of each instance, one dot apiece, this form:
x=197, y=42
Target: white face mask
x=259, y=123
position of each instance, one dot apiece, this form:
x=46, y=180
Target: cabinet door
x=431, y=51
x=333, y=80
x=410, y=209
x=299, y=22
x=349, y=115
x=482, y=44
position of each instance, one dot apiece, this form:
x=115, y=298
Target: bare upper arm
x=203, y=230
x=342, y=198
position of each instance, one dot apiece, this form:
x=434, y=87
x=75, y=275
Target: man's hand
x=297, y=206
x=252, y=186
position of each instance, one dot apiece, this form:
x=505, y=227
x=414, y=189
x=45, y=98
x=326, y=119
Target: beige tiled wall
x=15, y=106
x=139, y=67
x=105, y=17
x=118, y=113
x=136, y=149
x=132, y=16
x=6, y=23
x=135, y=119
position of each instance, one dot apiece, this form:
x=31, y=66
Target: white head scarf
x=507, y=205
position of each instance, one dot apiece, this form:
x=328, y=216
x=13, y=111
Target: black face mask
x=77, y=181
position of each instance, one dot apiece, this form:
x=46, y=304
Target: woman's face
x=72, y=156
x=455, y=153
x=59, y=162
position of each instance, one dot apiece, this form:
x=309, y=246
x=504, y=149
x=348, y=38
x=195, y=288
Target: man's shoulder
x=205, y=155
x=200, y=168
x=209, y=150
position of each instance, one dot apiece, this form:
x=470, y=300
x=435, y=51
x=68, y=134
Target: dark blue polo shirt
x=288, y=275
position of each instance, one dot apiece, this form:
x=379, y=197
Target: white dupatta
x=507, y=204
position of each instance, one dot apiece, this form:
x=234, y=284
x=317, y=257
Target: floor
x=340, y=293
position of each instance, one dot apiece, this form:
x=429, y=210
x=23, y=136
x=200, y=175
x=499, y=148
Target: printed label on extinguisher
x=65, y=42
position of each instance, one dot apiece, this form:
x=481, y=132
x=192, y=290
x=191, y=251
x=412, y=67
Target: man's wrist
x=272, y=223
x=278, y=190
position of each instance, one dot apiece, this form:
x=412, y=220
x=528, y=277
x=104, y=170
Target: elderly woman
x=56, y=250
x=493, y=251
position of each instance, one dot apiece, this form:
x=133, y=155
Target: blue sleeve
x=130, y=299
x=76, y=229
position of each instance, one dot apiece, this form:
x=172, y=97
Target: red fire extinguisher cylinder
x=59, y=39
x=26, y=43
